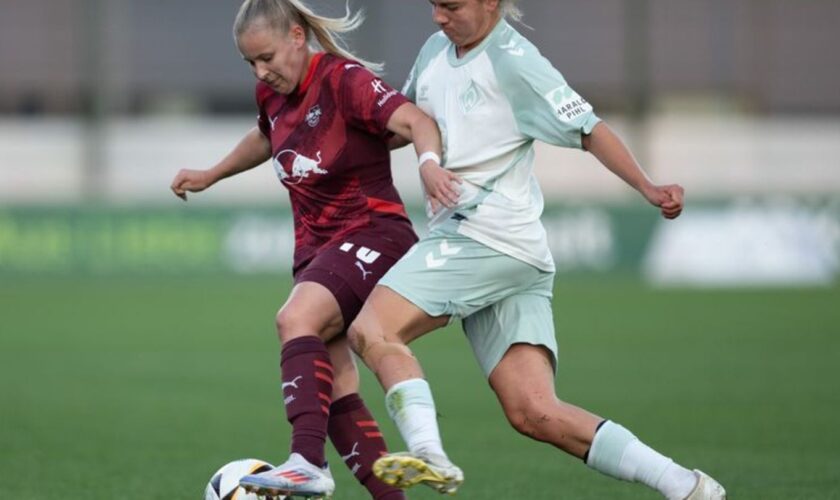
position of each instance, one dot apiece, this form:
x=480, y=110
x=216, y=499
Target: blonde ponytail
x=511, y=10
x=282, y=14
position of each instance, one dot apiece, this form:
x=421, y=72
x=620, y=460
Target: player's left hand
x=442, y=186
x=668, y=198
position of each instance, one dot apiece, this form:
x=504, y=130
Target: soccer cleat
x=295, y=478
x=403, y=470
x=706, y=489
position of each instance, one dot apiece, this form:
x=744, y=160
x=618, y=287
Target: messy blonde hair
x=511, y=9
x=282, y=14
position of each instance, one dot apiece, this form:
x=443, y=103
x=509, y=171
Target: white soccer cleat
x=295, y=478
x=707, y=488
x=403, y=470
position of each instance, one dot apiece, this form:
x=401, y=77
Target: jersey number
x=364, y=254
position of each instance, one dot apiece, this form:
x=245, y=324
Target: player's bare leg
x=345, y=372
x=352, y=429
x=310, y=310
x=380, y=334
x=524, y=383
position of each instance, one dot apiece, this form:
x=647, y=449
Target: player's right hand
x=441, y=185
x=192, y=181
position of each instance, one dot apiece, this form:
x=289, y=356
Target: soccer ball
x=224, y=485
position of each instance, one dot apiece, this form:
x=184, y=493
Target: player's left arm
x=546, y=108
x=610, y=150
x=372, y=105
x=397, y=142
x=413, y=125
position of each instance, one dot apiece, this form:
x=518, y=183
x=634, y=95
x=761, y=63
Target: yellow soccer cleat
x=404, y=470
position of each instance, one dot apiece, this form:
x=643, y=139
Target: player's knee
x=293, y=322
x=360, y=339
x=521, y=421
x=369, y=344
x=288, y=324
x=530, y=418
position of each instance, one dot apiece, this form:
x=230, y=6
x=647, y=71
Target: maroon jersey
x=328, y=142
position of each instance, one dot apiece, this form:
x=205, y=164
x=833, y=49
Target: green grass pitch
x=141, y=388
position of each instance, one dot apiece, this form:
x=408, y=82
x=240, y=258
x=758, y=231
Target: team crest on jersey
x=301, y=166
x=567, y=103
x=313, y=116
x=470, y=98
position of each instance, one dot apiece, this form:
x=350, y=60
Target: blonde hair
x=511, y=9
x=282, y=14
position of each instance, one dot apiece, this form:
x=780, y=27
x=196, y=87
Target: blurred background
x=137, y=351
x=102, y=101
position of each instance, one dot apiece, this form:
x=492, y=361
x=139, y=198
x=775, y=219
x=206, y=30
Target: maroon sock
x=307, y=386
x=356, y=437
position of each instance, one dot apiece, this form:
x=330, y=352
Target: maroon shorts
x=349, y=270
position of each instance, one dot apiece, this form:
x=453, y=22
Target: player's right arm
x=252, y=150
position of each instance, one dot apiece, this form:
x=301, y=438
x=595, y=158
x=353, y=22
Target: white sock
x=412, y=408
x=618, y=453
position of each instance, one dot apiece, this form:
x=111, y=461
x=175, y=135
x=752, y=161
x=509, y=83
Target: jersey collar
x=310, y=73
x=453, y=53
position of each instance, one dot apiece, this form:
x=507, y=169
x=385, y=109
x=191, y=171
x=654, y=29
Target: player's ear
x=491, y=5
x=298, y=35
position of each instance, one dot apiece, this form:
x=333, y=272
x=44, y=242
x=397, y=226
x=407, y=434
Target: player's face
x=277, y=59
x=465, y=22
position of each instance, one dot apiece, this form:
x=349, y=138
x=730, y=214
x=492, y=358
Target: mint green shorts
x=501, y=300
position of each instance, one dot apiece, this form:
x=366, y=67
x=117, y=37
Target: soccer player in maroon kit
x=325, y=120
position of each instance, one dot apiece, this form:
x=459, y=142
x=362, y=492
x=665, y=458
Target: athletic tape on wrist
x=428, y=155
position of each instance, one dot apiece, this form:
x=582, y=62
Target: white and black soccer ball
x=224, y=484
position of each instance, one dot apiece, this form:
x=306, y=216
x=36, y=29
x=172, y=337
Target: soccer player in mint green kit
x=486, y=259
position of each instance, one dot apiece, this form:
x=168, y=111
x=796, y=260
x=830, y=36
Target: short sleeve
x=545, y=106
x=366, y=101
x=410, y=88
x=434, y=45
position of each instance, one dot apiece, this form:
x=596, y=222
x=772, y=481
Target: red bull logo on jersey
x=301, y=166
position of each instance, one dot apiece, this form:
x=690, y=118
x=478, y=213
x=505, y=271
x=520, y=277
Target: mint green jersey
x=490, y=106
